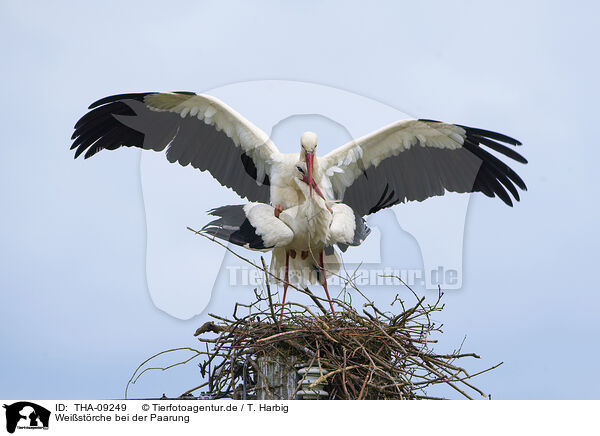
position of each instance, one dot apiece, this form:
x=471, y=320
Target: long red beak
x=309, y=157
x=313, y=184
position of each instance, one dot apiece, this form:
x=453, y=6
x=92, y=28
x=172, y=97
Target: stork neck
x=304, y=192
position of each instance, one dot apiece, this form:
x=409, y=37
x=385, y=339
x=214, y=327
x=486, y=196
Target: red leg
x=286, y=281
x=324, y=280
x=278, y=210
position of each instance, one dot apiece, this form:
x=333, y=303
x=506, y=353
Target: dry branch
x=374, y=354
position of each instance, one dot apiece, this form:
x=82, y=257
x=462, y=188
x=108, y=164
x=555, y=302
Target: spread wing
x=417, y=159
x=197, y=130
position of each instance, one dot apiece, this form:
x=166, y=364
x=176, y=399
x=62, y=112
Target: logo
x=26, y=415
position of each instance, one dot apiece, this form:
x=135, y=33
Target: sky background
x=76, y=315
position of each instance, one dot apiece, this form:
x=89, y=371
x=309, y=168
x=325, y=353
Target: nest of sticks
x=368, y=355
x=371, y=354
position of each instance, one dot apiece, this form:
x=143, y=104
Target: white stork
x=404, y=161
x=304, y=232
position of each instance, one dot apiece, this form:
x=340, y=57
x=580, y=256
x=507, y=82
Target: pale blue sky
x=76, y=314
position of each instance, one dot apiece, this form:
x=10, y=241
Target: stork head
x=308, y=141
x=300, y=171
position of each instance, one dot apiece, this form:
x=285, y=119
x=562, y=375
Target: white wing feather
x=273, y=231
x=255, y=142
x=344, y=164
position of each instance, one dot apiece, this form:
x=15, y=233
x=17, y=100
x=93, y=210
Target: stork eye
x=300, y=169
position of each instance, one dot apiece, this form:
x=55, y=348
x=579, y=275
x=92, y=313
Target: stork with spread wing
x=404, y=161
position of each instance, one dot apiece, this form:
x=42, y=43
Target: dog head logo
x=26, y=415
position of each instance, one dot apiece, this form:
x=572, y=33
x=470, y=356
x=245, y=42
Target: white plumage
x=273, y=231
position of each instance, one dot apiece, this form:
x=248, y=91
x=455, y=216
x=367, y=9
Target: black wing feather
x=422, y=172
x=115, y=121
x=233, y=226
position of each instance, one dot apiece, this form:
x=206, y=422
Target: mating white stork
x=406, y=160
x=303, y=234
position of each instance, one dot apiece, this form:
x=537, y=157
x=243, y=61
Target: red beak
x=311, y=182
x=308, y=157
